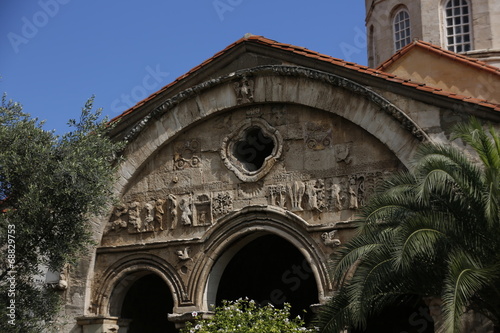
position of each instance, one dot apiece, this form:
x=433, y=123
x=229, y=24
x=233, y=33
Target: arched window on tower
x=401, y=27
x=372, y=52
x=457, y=27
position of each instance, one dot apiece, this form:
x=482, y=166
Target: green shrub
x=246, y=316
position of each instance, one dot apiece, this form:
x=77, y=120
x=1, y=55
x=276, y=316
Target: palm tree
x=433, y=231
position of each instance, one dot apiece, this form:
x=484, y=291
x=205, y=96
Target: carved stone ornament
x=318, y=136
x=222, y=204
x=183, y=254
x=342, y=153
x=251, y=151
x=244, y=90
x=186, y=154
x=331, y=239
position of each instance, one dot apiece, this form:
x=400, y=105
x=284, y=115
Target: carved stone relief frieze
x=170, y=213
x=331, y=194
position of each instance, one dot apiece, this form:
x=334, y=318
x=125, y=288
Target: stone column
x=98, y=324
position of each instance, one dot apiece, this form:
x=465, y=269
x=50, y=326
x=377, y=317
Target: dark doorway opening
x=410, y=316
x=270, y=270
x=147, y=304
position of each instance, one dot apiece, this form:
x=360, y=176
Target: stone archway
x=269, y=270
x=260, y=229
x=146, y=305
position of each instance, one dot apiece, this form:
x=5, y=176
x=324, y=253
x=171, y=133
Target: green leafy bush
x=246, y=316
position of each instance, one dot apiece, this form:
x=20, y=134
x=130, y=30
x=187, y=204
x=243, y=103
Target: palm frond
x=418, y=238
x=347, y=255
x=465, y=279
x=484, y=143
x=431, y=231
x=335, y=315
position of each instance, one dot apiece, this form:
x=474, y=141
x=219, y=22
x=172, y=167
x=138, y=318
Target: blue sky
x=55, y=54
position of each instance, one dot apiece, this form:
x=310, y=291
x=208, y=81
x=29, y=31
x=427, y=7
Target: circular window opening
x=253, y=150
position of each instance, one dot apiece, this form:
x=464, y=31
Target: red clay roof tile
x=438, y=50
x=378, y=72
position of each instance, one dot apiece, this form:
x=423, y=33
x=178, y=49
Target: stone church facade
x=265, y=149
x=242, y=177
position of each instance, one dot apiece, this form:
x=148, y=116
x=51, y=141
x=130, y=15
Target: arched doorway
x=269, y=269
x=147, y=304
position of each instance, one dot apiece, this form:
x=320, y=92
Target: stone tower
x=470, y=27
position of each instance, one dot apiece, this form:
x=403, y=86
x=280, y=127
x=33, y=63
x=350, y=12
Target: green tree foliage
x=50, y=186
x=245, y=316
x=433, y=231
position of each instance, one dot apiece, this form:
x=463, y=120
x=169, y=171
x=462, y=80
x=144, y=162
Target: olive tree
x=50, y=186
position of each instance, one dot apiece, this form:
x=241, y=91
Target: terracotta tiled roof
x=338, y=62
x=442, y=52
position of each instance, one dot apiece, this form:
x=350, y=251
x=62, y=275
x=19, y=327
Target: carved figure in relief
x=134, y=215
x=316, y=195
x=342, y=154
x=329, y=239
x=62, y=281
x=186, y=212
x=183, y=254
x=244, y=90
x=172, y=201
x=361, y=191
x=296, y=191
x=336, y=197
x=203, y=218
x=148, y=220
x=118, y=219
x=159, y=212
x=277, y=195
x=353, y=194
